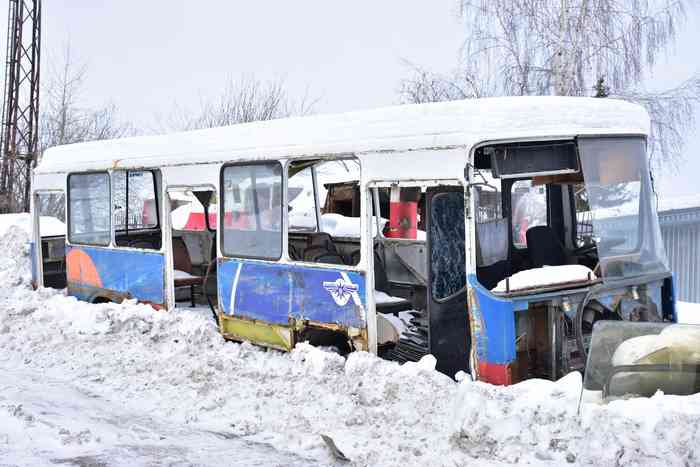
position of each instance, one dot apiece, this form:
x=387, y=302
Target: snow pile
x=49, y=226
x=533, y=420
x=688, y=313
x=177, y=366
x=15, y=269
x=537, y=421
x=545, y=276
x=338, y=225
x=117, y=384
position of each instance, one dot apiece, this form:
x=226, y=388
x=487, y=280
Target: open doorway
x=419, y=274
x=193, y=221
x=50, y=241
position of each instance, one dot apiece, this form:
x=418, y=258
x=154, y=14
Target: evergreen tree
x=601, y=89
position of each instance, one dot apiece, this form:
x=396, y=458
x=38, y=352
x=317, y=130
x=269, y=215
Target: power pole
x=19, y=140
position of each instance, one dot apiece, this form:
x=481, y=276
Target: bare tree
x=425, y=86
x=562, y=47
x=244, y=100
x=64, y=120
x=672, y=114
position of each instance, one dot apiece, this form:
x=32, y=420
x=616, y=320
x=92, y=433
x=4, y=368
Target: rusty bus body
x=490, y=233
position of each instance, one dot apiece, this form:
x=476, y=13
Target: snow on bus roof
x=404, y=127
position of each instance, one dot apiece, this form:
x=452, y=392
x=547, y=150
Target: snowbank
x=688, y=313
x=108, y=376
x=49, y=226
x=537, y=421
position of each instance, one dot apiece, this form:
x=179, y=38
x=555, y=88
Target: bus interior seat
x=320, y=239
x=390, y=304
x=294, y=254
x=321, y=249
x=210, y=282
x=490, y=276
x=544, y=248
x=354, y=257
x=183, y=268
x=492, y=252
x=149, y=240
x=381, y=280
x=326, y=257
x=322, y=254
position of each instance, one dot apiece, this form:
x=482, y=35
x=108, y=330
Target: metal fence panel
x=680, y=230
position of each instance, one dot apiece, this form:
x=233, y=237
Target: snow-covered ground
x=110, y=384
x=688, y=313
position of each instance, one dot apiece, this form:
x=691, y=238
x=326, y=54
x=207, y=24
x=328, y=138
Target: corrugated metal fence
x=680, y=229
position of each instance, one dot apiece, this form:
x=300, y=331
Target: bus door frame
x=370, y=204
x=166, y=225
x=35, y=215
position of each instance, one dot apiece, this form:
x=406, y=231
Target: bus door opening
x=49, y=245
x=193, y=238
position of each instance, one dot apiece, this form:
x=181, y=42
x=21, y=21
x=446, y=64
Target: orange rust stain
x=81, y=269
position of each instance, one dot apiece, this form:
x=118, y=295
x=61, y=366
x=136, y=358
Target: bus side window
x=300, y=198
x=136, y=221
x=89, y=209
x=252, y=210
x=528, y=209
x=334, y=236
x=492, y=240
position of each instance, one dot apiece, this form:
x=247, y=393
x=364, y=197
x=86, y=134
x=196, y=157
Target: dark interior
x=145, y=239
x=320, y=247
x=53, y=256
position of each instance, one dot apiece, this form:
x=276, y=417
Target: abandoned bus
x=490, y=233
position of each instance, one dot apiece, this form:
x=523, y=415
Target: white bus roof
x=381, y=131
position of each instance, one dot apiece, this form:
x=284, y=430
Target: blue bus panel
x=115, y=274
x=275, y=293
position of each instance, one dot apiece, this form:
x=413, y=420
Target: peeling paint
x=255, y=331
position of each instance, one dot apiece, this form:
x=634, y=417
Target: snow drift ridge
x=176, y=365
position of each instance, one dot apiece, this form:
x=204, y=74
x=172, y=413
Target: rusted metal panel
x=259, y=332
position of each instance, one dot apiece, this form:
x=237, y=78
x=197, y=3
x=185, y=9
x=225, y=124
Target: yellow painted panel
x=257, y=332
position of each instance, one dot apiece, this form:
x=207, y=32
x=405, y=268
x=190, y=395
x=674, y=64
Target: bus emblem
x=341, y=290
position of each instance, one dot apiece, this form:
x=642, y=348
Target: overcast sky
x=147, y=56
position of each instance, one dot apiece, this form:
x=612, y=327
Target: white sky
x=147, y=56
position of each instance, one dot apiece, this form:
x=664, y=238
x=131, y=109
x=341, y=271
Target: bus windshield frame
x=622, y=206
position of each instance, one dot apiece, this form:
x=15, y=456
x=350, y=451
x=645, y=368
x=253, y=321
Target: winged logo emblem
x=341, y=290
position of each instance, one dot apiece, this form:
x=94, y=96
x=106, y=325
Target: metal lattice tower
x=20, y=116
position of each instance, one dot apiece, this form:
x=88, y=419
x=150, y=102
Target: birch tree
x=563, y=47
